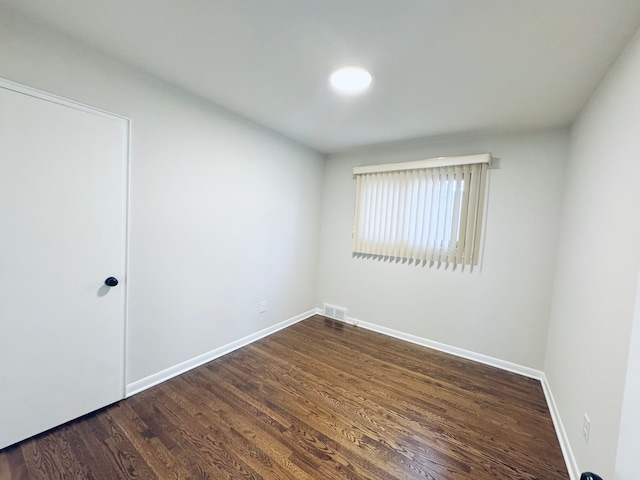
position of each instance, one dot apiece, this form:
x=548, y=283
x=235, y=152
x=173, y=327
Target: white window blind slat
x=431, y=227
x=411, y=212
x=455, y=220
x=376, y=212
x=424, y=214
x=422, y=187
x=356, y=225
x=403, y=191
x=462, y=233
x=393, y=233
x=471, y=215
x=383, y=185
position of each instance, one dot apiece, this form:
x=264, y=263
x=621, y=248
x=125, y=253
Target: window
x=424, y=211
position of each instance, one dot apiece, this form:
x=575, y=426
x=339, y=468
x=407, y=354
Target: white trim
x=428, y=163
x=159, y=377
x=565, y=446
x=458, y=352
x=50, y=97
x=127, y=261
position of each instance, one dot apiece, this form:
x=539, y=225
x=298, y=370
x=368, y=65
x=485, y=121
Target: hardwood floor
x=318, y=400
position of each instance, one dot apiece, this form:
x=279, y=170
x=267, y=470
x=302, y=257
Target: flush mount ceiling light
x=350, y=79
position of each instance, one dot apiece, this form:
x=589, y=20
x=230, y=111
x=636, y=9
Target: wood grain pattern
x=318, y=400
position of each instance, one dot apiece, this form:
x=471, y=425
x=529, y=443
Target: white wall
x=597, y=267
x=223, y=212
x=501, y=309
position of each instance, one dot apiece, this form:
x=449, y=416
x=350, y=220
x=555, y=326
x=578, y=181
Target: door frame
x=126, y=214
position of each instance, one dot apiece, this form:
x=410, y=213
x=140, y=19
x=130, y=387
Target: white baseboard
x=567, y=452
x=443, y=347
x=565, y=446
x=156, y=378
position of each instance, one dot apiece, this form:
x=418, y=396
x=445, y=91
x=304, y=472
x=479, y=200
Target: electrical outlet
x=262, y=306
x=586, y=428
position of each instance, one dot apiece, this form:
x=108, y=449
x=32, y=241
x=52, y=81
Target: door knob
x=590, y=476
x=111, y=282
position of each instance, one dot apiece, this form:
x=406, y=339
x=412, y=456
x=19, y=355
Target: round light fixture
x=350, y=79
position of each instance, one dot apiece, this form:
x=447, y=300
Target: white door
x=63, y=179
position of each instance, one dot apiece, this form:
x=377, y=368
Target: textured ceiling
x=440, y=67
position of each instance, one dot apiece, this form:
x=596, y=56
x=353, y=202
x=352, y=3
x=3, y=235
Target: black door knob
x=111, y=282
x=590, y=476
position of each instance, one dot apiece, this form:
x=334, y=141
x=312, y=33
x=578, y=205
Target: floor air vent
x=337, y=313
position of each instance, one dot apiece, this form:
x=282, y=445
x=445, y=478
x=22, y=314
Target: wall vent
x=337, y=313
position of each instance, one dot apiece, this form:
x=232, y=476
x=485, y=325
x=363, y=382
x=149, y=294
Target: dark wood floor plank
x=318, y=400
x=172, y=437
x=501, y=411
x=323, y=458
x=380, y=397
x=455, y=380
x=436, y=460
x=249, y=438
x=318, y=422
x=163, y=463
x=129, y=462
x=361, y=412
x=86, y=442
x=257, y=421
x=212, y=441
x=313, y=404
x=12, y=463
x=48, y=456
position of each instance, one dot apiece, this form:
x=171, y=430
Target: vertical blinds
x=428, y=211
